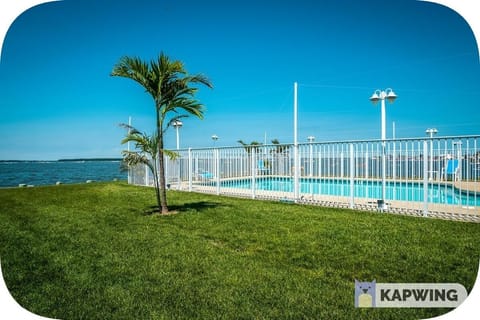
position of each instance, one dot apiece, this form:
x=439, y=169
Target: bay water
x=37, y=173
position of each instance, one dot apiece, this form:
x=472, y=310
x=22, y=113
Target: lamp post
x=129, y=177
x=381, y=95
x=216, y=162
x=177, y=124
x=311, y=139
x=431, y=132
x=296, y=160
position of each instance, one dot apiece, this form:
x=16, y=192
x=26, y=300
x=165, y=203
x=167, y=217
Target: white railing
x=421, y=176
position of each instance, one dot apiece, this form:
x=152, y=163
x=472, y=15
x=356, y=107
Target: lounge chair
x=261, y=168
x=205, y=175
x=451, y=170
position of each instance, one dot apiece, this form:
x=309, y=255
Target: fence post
x=167, y=170
x=178, y=162
x=342, y=165
x=253, y=172
x=190, y=171
x=146, y=175
x=352, y=176
x=217, y=169
x=425, y=178
x=366, y=164
x=296, y=173
x=394, y=163
x=320, y=165
x=384, y=176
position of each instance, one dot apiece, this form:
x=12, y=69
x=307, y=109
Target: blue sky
x=58, y=100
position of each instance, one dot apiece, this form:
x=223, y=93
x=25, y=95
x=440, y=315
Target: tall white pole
x=265, y=143
x=129, y=175
x=384, y=119
x=296, y=162
x=390, y=96
x=177, y=161
x=384, y=137
x=129, y=126
x=431, y=132
x=394, y=159
x=295, y=114
x=310, y=168
x=431, y=157
x=178, y=138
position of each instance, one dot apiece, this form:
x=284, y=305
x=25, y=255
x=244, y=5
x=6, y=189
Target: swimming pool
x=403, y=191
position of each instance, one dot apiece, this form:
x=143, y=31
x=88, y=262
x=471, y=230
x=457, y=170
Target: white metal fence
x=425, y=177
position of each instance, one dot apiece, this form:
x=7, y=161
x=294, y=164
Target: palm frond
x=134, y=68
x=146, y=144
x=132, y=158
x=172, y=155
x=200, y=78
x=190, y=106
x=139, y=140
x=128, y=127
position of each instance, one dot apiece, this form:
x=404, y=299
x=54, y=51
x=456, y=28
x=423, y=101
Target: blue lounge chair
x=205, y=175
x=262, y=169
x=451, y=170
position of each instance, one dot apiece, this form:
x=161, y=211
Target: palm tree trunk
x=162, y=193
x=163, y=189
x=156, y=181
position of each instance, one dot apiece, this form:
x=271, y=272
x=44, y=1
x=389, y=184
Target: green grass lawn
x=92, y=251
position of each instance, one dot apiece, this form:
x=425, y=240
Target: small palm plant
x=146, y=152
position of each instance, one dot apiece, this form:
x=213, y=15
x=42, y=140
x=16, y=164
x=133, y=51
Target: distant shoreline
x=66, y=160
x=91, y=159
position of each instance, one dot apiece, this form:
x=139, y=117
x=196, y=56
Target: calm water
x=49, y=172
x=404, y=191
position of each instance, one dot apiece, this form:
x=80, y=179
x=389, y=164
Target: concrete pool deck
x=455, y=212
x=468, y=186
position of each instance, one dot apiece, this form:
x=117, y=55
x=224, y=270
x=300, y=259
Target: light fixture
x=375, y=97
x=391, y=96
x=177, y=124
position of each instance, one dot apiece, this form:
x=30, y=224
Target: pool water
x=403, y=191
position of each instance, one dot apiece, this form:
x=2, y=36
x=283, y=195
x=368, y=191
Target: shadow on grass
x=198, y=206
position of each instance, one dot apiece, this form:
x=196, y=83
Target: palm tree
x=255, y=146
x=249, y=146
x=281, y=154
x=171, y=88
x=279, y=148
